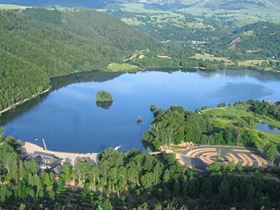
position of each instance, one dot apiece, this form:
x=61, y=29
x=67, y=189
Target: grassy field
x=210, y=57
x=234, y=116
x=252, y=63
x=257, y=64
x=165, y=19
x=121, y=67
x=238, y=17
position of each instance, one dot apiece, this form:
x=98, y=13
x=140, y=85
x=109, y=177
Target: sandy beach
x=32, y=148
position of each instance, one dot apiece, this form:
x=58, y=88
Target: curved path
x=237, y=155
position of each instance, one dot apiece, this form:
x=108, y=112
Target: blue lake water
x=69, y=119
x=268, y=128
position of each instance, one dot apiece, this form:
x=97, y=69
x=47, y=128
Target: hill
x=259, y=39
x=233, y=4
x=241, y=10
x=220, y=34
x=42, y=43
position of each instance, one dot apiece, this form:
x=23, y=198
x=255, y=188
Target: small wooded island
x=103, y=96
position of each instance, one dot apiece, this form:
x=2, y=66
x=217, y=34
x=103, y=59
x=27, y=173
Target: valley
x=139, y=104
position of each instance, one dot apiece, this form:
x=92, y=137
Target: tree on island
x=103, y=96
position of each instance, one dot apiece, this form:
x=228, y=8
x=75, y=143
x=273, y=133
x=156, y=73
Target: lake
x=69, y=119
x=268, y=128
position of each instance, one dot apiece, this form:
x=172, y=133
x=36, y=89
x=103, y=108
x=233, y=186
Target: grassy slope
x=240, y=12
x=225, y=116
x=117, y=67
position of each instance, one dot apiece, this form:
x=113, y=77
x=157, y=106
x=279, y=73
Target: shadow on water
x=91, y=76
x=104, y=105
x=23, y=108
x=261, y=76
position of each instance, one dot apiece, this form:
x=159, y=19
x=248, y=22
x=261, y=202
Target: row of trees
x=265, y=108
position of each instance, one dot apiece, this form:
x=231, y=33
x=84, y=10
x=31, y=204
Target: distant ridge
x=66, y=3
x=217, y=4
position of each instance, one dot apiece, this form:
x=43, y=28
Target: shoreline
x=14, y=106
x=31, y=148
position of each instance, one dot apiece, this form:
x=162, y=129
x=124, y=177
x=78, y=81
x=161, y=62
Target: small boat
x=118, y=147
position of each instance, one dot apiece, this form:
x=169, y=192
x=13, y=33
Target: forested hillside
x=19, y=79
x=39, y=43
x=261, y=39
x=131, y=180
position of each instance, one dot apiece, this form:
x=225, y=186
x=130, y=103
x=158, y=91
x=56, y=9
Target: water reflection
x=104, y=105
x=268, y=128
x=69, y=119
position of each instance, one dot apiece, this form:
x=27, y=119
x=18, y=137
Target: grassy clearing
x=210, y=57
x=121, y=67
x=196, y=25
x=165, y=19
x=233, y=111
x=238, y=17
x=252, y=63
x=164, y=56
x=12, y=6
x=222, y=123
x=257, y=64
x=133, y=21
x=248, y=33
x=234, y=116
x=138, y=54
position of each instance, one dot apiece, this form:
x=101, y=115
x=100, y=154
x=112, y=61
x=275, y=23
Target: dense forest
x=265, y=108
x=131, y=180
x=19, y=79
x=253, y=41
